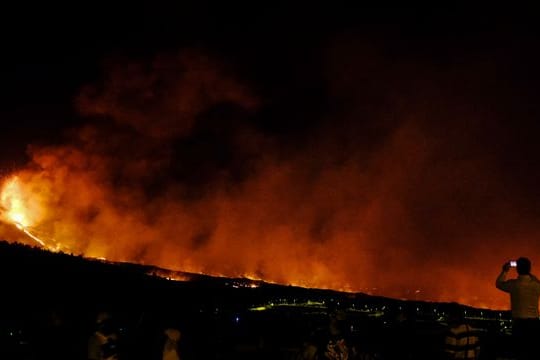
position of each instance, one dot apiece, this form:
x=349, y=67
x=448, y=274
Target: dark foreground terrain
x=49, y=303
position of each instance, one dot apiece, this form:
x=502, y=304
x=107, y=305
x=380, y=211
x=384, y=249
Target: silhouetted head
x=103, y=316
x=455, y=314
x=105, y=323
x=523, y=266
x=337, y=322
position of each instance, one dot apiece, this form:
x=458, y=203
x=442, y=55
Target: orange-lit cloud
x=390, y=194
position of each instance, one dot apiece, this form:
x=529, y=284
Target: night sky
x=405, y=138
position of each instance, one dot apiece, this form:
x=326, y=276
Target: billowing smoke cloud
x=163, y=97
x=397, y=189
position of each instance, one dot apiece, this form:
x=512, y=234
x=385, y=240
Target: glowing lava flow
x=27, y=232
x=13, y=209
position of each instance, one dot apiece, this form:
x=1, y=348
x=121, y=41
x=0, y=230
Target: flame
x=11, y=199
x=16, y=209
x=169, y=275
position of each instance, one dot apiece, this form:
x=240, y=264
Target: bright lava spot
x=14, y=208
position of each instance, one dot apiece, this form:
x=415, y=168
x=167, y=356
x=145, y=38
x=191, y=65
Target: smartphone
x=513, y=263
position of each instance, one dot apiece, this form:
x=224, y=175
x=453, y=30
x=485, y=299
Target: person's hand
x=506, y=266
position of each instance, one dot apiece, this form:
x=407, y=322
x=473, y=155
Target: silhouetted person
x=171, y=340
x=524, y=294
x=331, y=343
x=103, y=343
x=56, y=338
x=462, y=341
x=171, y=349
x=400, y=336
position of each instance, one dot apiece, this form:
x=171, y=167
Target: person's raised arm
x=501, y=282
x=535, y=278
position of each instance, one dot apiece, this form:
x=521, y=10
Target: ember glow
x=12, y=199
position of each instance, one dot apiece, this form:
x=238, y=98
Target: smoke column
x=396, y=189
